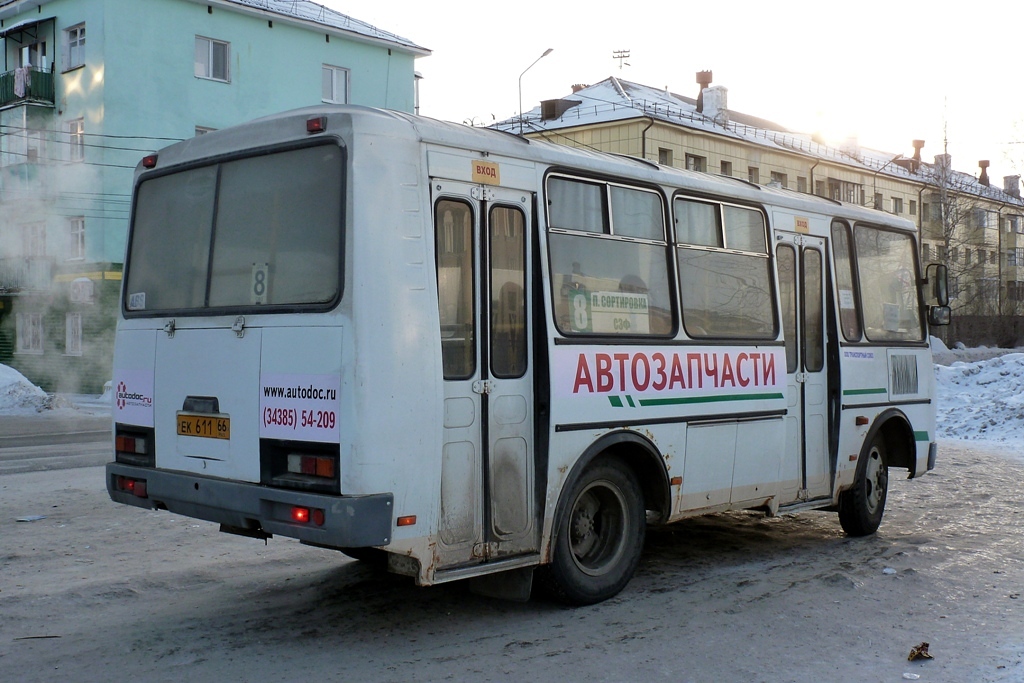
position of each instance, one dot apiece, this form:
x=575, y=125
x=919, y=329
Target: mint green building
x=89, y=87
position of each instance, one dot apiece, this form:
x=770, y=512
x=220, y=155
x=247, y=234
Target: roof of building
x=315, y=12
x=615, y=99
x=304, y=10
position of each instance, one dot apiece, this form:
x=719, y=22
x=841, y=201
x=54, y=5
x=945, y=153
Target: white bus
x=474, y=355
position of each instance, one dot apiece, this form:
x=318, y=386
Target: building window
x=897, y=205
x=842, y=191
x=926, y=252
x=212, y=58
x=992, y=257
x=980, y=217
x=76, y=140
x=1015, y=257
x=819, y=188
x=879, y=202
x=913, y=207
x=335, y=84
x=727, y=168
x=954, y=255
x=967, y=257
x=780, y=178
x=30, y=332
x=76, y=238
x=33, y=240
x=664, y=156
x=74, y=47
x=801, y=184
x=73, y=334
x=696, y=163
x=1015, y=290
x=753, y=174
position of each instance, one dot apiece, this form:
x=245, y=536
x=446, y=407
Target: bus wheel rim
x=598, y=528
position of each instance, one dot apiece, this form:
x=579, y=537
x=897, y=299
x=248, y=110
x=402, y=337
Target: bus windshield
x=262, y=231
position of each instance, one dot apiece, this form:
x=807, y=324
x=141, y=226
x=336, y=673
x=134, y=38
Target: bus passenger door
x=483, y=275
x=801, y=264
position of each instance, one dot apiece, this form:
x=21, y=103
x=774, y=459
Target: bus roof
x=290, y=126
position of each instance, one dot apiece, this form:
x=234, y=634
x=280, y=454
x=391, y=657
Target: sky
x=885, y=72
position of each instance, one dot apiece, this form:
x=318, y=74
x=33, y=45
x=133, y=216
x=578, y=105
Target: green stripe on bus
x=862, y=392
x=707, y=399
x=616, y=401
x=630, y=400
x=921, y=436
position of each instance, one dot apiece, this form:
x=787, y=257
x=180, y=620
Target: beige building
x=974, y=227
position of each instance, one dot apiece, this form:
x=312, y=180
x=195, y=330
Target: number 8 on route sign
x=258, y=289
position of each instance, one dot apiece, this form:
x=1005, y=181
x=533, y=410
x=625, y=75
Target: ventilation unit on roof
x=553, y=109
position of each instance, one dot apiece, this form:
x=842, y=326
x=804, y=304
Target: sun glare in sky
x=887, y=73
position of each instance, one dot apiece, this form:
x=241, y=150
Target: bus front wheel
x=861, y=507
x=599, y=535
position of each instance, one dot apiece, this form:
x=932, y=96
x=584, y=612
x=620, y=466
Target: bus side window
x=887, y=276
x=725, y=278
x=453, y=227
x=609, y=266
x=848, y=318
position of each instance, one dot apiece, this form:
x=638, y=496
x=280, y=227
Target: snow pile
x=982, y=399
x=17, y=394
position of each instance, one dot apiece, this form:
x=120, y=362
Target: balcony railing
x=26, y=85
x=25, y=275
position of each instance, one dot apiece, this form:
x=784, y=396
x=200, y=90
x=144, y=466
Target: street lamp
x=546, y=53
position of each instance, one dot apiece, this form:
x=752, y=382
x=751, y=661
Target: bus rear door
x=483, y=275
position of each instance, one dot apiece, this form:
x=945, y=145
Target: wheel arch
x=643, y=457
x=897, y=435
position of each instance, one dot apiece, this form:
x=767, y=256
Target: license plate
x=206, y=426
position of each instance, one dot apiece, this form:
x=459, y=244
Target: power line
x=93, y=135
x=74, y=143
x=66, y=161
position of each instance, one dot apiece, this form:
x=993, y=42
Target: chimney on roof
x=576, y=87
x=715, y=104
x=915, y=161
x=918, y=145
x=983, y=178
x=704, y=80
x=1011, y=185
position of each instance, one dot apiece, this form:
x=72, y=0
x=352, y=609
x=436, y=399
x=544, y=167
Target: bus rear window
x=262, y=231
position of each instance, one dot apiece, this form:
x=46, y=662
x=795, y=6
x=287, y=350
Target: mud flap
x=513, y=585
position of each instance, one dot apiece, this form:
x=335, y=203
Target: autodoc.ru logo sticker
x=134, y=399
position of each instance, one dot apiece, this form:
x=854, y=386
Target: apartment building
x=89, y=87
x=974, y=226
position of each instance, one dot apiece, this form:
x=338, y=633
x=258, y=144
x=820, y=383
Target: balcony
x=25, y=275
x=26, y=85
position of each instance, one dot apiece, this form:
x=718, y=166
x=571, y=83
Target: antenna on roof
x=622, y=56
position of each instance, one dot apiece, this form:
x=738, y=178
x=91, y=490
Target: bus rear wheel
x=598, y=537
x=861, y=507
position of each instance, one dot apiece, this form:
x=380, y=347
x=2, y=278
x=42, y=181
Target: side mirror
x=936, y=281
x=938, y=315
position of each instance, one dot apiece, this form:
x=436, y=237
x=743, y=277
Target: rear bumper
x=349, y=521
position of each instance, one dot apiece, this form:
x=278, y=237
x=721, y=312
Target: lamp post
x=546, y=53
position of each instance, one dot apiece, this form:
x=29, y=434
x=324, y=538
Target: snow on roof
x=615, y=99
x=305, y=10
x=315, y=12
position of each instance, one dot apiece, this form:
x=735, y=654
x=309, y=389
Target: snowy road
x=101, y=592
